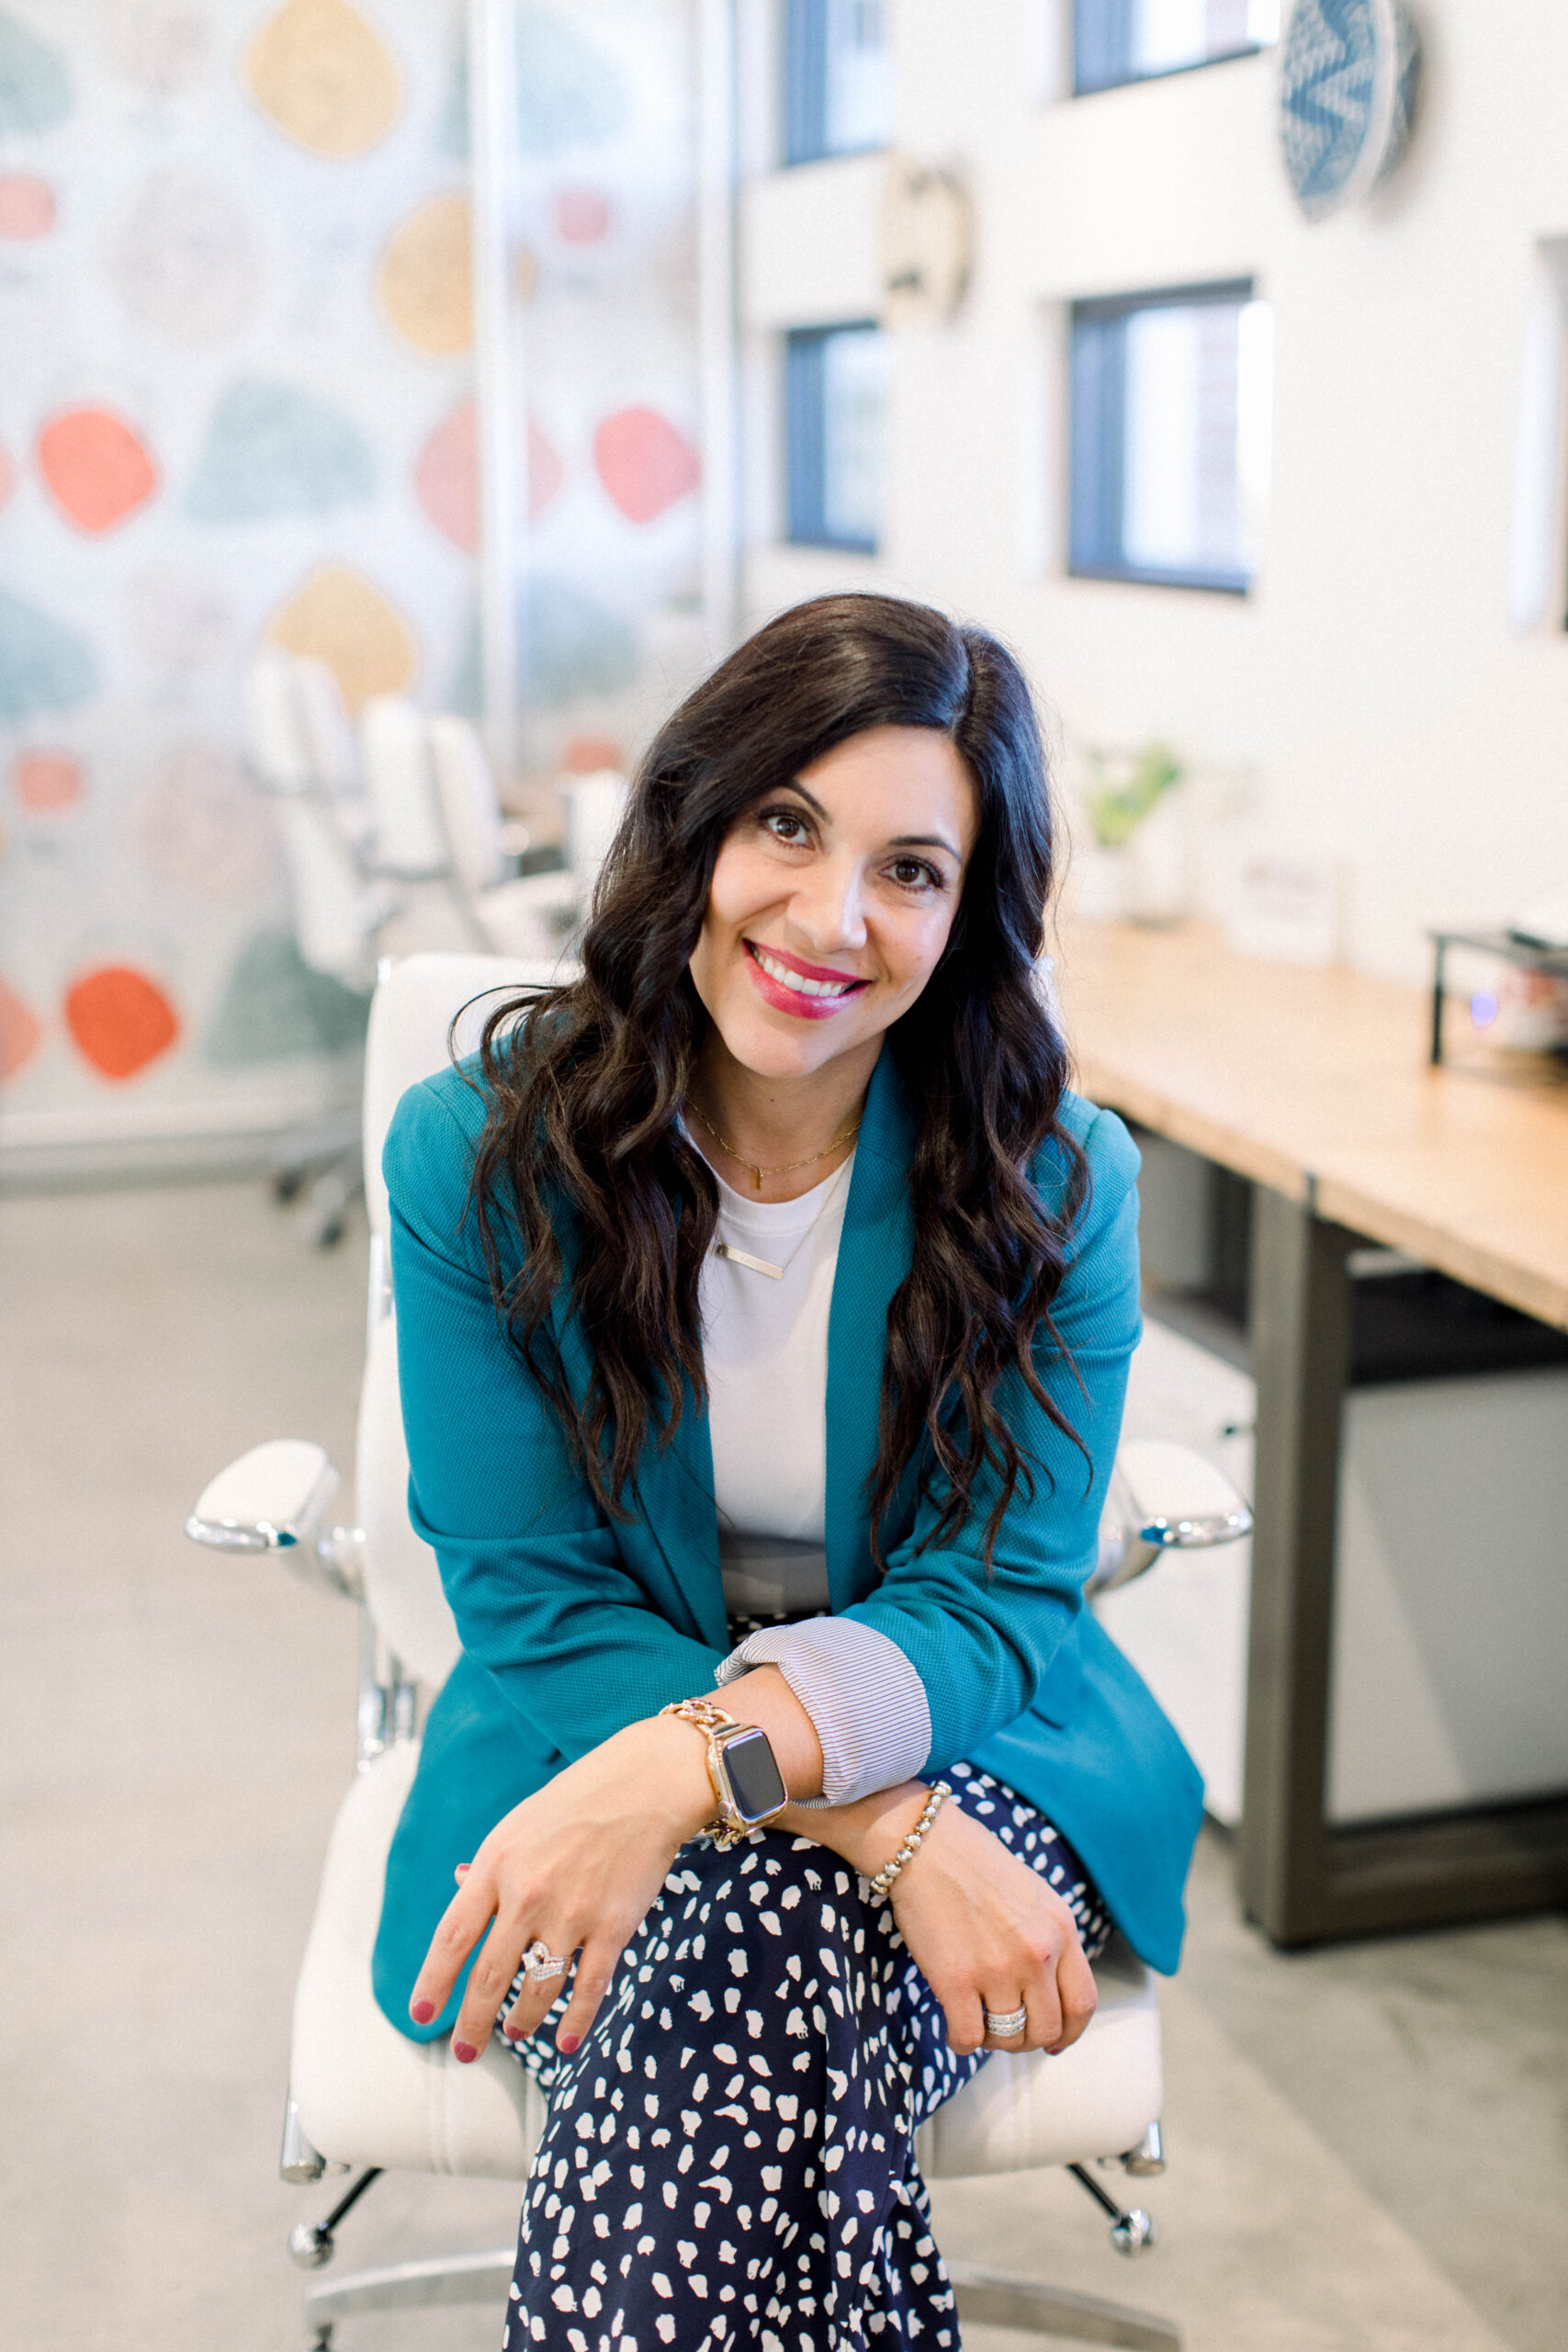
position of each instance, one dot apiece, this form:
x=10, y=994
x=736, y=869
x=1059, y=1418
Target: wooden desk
x=1314, y=1085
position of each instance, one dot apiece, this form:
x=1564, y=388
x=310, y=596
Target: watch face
x=754, y=1779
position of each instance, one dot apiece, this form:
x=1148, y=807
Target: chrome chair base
x=989, y=2296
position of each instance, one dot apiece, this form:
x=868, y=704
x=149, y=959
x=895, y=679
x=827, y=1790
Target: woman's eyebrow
x=926, y=840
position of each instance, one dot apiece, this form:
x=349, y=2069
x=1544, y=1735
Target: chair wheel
x=311, y=2245
x=329, y=1236
x=1134, y=2232
x=286, y=1185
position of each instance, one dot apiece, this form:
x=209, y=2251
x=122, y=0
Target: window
x=835, y=380
x=1169, y=398
x=1132, y=41
x=837, y=78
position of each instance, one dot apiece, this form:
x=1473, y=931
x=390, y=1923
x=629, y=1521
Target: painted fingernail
x=568, y=2044
x=463, y=1869
x=464, y=2052
x=422, y=2011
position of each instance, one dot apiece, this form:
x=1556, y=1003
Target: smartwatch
x=747, y=1784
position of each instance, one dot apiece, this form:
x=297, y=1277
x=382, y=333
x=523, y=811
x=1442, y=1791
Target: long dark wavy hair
x=584, y=1083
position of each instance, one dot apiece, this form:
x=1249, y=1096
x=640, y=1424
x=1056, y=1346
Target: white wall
x=1370, y=680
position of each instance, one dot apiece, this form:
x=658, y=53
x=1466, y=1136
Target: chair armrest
x=274, y=1499
x=1164, y=1497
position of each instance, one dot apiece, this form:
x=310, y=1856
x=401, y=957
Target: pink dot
x=546, y=471
x=446, y=478
x=98, y=470
x=7, y=477
x=47, y=779
x=582, y=216
x=26, y=206
x=645, y=464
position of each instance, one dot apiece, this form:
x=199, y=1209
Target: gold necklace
x=757, y=1171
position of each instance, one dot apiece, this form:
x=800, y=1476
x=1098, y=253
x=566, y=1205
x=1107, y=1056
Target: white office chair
x=364, y=2098
x=525, y=915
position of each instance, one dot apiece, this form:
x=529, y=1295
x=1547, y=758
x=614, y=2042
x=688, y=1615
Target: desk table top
x=1316, y=1082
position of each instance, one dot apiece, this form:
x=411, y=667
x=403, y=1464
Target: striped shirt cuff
x=866, y=1703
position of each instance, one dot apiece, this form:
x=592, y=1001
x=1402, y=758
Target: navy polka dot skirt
x=730, y=2155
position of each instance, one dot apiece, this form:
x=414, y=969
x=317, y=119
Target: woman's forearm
x=866, y=1832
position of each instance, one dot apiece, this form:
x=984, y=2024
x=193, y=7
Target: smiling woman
x=764, y=1303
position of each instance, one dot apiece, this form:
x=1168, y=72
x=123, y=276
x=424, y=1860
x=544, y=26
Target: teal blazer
x=573, y=1626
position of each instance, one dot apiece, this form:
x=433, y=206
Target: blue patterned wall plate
x=1348, y=75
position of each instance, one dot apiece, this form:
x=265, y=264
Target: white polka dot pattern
x=730, y=2157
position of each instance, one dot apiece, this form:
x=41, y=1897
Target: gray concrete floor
x=1369, y=2145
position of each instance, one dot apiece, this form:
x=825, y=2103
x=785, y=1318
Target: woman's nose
x=828, y=908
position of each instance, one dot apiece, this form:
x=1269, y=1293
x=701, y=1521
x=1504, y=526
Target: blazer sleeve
x=990, y=1643
x=531, y=1568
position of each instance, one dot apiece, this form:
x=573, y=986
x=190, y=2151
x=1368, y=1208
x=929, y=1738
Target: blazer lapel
x=675, y=1504
x=873, y=1258
x=672, y=1540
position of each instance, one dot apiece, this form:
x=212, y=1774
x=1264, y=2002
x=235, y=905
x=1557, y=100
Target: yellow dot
x=325, y=76
x=345, y=622
x=425, y=278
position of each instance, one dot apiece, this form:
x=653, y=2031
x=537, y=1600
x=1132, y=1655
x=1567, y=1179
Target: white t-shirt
x=765, y=1353
x=765, y=1349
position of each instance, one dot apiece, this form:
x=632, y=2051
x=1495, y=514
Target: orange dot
x=120, y=1019
x=7, y=477
x=26, y=206
x=644, y=463
x=47, y=779
x=98, y=470
x=586, y=753
x=21, y=1032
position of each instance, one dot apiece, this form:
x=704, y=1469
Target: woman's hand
x=985, y=1930
x=577, y=1866
x=987, y=1933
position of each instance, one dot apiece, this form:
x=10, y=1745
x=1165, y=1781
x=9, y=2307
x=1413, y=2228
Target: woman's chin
x=782, y=1047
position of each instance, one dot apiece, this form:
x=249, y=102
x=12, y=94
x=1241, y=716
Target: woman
x=764, y=1303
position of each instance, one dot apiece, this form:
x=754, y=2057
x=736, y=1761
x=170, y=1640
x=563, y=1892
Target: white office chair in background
x=363, y=2098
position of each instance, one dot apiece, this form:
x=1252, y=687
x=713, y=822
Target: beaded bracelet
x=889, y=1871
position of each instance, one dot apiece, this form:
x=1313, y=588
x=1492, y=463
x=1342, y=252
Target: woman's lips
x=809, y=991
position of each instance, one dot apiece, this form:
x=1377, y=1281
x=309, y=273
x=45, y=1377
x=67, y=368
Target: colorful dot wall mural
x=238, y=406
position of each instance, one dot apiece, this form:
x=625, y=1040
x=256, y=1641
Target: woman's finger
x=489, y=1980
x=536, y=2000
x=595, y=1966
x=1077, y=1993
x=965, y=2012
x=462, y=1924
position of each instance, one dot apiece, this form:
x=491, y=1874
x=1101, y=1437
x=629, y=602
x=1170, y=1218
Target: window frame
x=803, y=87
x=1118, y=79
x=1109, y=483
x=806, y=439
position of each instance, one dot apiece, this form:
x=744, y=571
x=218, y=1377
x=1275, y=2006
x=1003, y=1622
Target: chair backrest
x=394, y=758
x=595, y=805
x=411, y=1020
x=328, y=733
x=275, y=748
x=333, y=920
x=465, y=790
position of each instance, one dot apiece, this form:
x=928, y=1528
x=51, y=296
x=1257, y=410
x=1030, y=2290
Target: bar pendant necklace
x=764, y=1265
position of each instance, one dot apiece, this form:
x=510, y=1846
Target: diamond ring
x=542, y=1963
x=1002, y=2025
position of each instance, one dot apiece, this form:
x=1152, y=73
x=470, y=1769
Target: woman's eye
x=914, y=874
x=785, y=826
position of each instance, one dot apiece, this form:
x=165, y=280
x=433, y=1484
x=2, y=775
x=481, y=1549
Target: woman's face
x=832, y=901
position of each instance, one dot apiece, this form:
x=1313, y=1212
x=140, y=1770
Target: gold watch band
x=728, y=1825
